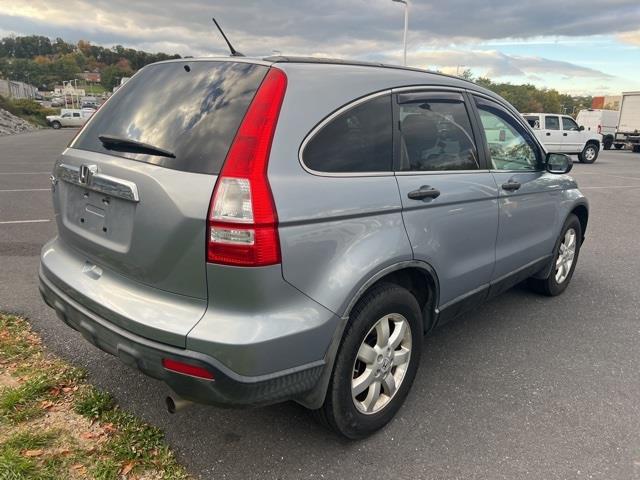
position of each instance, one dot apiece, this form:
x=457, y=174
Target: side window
x=569, y=124
x=436, y=135
x=533, y=121
x=551, y=123
x=510, y=147
x=66, y=115
x=358, y=140
x=76, y=114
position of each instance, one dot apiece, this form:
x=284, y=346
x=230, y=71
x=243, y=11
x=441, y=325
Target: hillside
x=43, y=62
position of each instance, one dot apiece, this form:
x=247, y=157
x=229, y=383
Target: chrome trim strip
x=99, y=182
x=403, y=173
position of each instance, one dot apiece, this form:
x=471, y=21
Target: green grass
x=93, y=403
x=14, y=464
x=135, y=442
x=27, y=440
x=125, y=440
x=27, y=109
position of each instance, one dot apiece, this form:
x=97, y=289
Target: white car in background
x=561, y=134
x=70, y=117
x=604, y=122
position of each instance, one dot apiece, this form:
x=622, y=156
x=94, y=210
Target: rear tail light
x=186, y=369
x=243, y=224
x=599, y=129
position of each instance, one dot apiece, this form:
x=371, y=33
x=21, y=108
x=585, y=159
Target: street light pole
x=406, y=26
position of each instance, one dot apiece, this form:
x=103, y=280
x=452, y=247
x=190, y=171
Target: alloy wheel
x=566, y=254
x=590, y=153
x=381, y=363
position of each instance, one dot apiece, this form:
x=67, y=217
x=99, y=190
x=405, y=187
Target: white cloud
x=442, y=34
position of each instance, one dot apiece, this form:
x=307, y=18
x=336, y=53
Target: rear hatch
x=134, y=187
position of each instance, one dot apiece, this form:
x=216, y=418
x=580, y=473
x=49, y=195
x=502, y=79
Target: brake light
x=186, y=369
x=599, y=129
x=243, y=223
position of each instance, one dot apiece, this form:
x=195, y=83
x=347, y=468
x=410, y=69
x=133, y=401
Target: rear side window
x=357, y=140
x=552, y=123
x=191, y=109
x=533, y=121
x=435, y=135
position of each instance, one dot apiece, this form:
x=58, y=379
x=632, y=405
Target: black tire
x=582, y=156
x=607, y=143
x=619, y=146
x=339, y=411
x=635, y=149
x=56, y=125
x=549, y=286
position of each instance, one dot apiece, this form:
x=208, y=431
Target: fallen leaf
x=108, y=427
x=126, y=468
x=88, y=435
x=33, y=453
x=78, y=467
x=46, y=404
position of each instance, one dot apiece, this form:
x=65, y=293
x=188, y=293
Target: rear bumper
x=228, y=387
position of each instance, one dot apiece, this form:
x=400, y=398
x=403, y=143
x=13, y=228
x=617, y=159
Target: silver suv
x=254, y=231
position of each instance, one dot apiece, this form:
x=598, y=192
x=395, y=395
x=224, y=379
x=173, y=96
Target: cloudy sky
x=575, y=46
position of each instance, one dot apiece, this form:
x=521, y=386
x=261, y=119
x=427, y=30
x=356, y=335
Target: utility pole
x=406, y=26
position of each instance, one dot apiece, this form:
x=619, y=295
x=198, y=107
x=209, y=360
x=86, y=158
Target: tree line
x=43, y=62
x=528, y=98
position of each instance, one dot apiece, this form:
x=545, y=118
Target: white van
x=604, y=122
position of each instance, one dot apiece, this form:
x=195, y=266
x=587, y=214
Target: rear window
x=552, y=123
x=192, y=109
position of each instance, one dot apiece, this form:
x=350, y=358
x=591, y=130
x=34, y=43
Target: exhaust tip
x=175, y=404
x=171, y=404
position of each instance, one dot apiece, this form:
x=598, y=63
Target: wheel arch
x=593, y=141
x=404, y=273
x=418, y=277
x=582, y=212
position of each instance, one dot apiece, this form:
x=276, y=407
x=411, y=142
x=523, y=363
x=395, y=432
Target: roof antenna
x=234, y=52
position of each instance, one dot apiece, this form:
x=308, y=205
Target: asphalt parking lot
x=526, y=387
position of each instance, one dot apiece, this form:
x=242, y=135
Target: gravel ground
x=10, y=124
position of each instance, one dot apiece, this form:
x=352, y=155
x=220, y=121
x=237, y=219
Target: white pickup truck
x=70, y=117
x=561, y=134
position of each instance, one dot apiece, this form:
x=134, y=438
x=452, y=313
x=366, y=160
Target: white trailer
x=629, y=123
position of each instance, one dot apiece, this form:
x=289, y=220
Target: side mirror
x=558, y=163
x=581, y=128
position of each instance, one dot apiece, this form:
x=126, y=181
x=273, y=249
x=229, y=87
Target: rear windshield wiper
x=127, y=145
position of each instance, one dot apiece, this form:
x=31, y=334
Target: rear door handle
x=511, y=186
x=425, y=191
x=564, y=134
x=548, y=134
